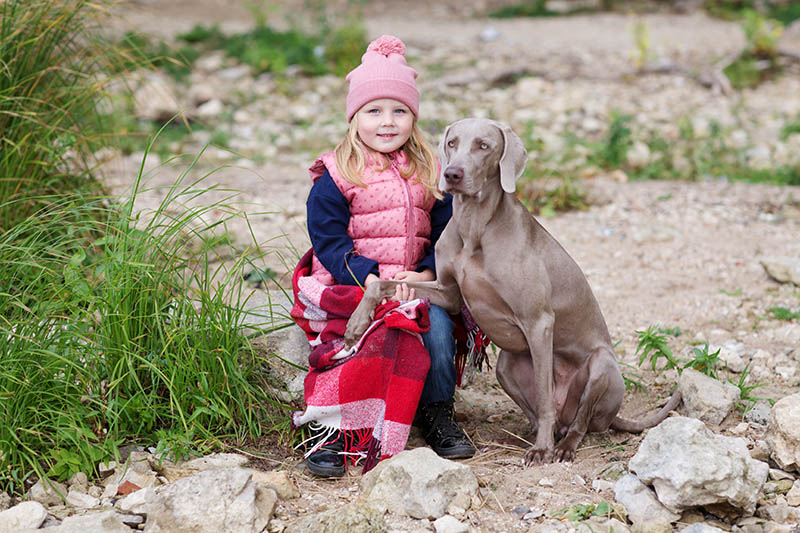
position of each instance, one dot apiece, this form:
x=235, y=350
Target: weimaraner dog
x=526, y=294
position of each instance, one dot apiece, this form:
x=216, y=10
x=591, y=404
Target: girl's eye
x=400, y=111
x=484, y=146
x=373, y=111
x=451, y=143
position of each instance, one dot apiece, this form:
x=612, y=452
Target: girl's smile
x=385, y=125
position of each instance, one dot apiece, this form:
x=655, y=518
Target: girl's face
x=385, y=124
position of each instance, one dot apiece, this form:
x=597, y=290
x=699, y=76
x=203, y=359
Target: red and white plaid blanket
x=374, y=387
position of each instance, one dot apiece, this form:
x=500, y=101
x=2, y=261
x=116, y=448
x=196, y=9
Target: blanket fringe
x=471, y=352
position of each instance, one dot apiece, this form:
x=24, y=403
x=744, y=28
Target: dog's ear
x=443, y=157
x=513, y=160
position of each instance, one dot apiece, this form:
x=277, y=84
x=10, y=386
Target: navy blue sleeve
x=441, y=212
x=328, y=215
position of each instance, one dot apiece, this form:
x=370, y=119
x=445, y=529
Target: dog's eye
x=451, y=143
x=484, y=146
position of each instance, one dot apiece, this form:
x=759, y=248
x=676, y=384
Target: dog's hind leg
x=598, y=401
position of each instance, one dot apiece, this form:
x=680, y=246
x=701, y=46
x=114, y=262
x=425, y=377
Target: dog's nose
x=453, y=174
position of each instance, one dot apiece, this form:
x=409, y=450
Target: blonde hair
x=352, y=156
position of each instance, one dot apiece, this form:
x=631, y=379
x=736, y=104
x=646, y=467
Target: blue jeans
x=440, y=384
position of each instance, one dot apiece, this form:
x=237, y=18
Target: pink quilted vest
x=390, y=219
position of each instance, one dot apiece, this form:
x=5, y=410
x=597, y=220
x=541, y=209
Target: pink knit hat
x=383, y=73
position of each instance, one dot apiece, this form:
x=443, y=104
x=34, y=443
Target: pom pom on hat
x=383, y=73
x=386, y=45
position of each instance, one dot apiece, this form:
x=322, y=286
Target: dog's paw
x=539, y=455
x=356, y=327
x=564, y=452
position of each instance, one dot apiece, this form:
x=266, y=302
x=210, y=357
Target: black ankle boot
x=327, y=461
x=439, y=428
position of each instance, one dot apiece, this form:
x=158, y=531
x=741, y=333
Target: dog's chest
x=488, y=306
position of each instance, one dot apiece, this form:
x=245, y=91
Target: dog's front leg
x=540, y=343
x=449, y=298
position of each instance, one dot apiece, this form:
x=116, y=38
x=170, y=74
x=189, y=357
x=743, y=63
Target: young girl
x=374, y=212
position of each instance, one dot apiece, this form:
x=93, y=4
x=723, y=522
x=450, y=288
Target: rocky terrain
x=710, y=258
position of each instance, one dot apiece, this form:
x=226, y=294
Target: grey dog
x=525, y=292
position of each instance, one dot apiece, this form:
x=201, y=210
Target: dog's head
x=475, y=150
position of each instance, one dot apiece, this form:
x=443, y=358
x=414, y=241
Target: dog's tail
x=637, y=426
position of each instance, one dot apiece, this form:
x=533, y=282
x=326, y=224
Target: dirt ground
x=673, y=254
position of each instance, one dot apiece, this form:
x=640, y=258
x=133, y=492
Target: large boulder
x=420, y=484
x=214, y=501
x=690, y=466
x=783, y=432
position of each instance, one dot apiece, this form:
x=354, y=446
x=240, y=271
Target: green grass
x=116, y=329
x=53, y=73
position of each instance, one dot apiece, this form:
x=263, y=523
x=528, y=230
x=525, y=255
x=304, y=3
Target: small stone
x=82, y=500
x=778, y=487
x=601, y=484
x=449, y=524
x=793, y=496
x=759, y=414
x=520, y=510
x=78, y=482
x=48, y=494
x=5, y=501
x=546, y=482
x=25, y=516
x=127, y=487
x=777, y=474
x=534, y=514
x=774, y=513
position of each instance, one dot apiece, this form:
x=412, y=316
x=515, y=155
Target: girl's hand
x=412, y=276
x=403, y=293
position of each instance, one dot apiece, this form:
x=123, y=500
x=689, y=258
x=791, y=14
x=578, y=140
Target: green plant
x=784, y=313
x=746, y=398
x=758, y=61
x=582, y=511
x=54, y=70
x=529, y=8
x=653, y=345
x=705, y=362
x=641, y=39
x=115, y=328
x=612, y=151
x=632, y=380
x=344, y=46
x=790, y=128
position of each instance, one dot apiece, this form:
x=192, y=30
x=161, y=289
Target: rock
x=774, y=513
x=759, y=414
x=82, y=500
x=48, y=494
x=277, y=480
x=209, y=109
x=5, y=501
x=702, y=527
x=654, y=525
x=638, y=154
x=793, y=496
x=783, y=433
x=217, y=461
x=601, y=484
x=26, y=515
x=78, y=482
x=449, y=524
x=351, y=518
x=732, y=355
x=137, y=502
x=783, y=269
x=788, y=334
x=601, y=524
x=688, y=465
x=706, y=398
x=640, y=501
x=99, y=522
x=778, y=474
x=214, y=501
x=772, y=527
x=155, y=98
x=419, y=483
x=200, y=93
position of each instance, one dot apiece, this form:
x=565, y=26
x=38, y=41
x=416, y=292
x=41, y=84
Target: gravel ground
x=676, y=254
